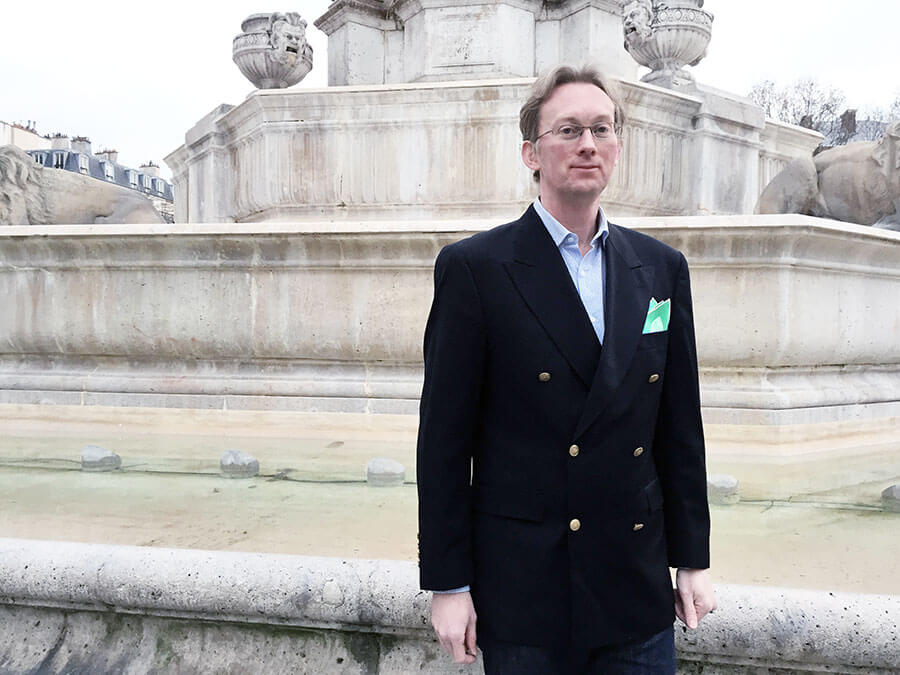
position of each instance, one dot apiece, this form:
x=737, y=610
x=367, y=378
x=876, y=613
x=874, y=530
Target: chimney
x=81, y=144
x=108, y=155
x=59, y=142
x=150, y=169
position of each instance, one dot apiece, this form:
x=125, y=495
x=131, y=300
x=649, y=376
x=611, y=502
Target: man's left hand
x=694, y=596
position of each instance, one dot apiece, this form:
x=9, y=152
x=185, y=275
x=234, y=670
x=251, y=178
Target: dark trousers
x=650, y=656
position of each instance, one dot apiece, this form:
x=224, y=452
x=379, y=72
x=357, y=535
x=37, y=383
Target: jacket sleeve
x=449, y=417
x=678, y=442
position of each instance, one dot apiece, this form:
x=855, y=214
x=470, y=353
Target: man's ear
x=529, y=156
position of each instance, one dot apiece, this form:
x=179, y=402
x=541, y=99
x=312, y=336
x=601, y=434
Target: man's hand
x=694, y=596
x=453, y=618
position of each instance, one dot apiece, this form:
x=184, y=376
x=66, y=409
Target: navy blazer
x=559, y=479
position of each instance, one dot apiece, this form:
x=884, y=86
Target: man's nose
x=587, y=142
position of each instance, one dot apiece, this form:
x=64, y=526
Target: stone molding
x=199, y=610
x=451, y=150
x=370, y=13
x=281, y=314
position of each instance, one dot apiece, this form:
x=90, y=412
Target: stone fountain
x=298, y=276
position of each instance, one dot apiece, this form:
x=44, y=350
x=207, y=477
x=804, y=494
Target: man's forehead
x=578, y=99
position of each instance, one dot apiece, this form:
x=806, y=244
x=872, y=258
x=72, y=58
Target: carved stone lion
x=855, y=183
x=31, y=194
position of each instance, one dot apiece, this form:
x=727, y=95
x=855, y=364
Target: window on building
x=109, y=170
x=82, y=163
x=59, y=160
x=145, y=181
x=132, y=178
x=40, y=158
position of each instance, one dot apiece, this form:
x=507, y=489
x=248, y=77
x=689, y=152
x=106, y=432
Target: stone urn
x=272, y=51
x=665, y=36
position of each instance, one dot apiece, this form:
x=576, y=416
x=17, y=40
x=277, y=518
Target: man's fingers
x=453, y=618
x=470, y=642
x=459, y=650
x=688, y=610
x=694, y=597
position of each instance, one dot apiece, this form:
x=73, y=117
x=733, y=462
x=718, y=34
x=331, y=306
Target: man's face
x=578, y=168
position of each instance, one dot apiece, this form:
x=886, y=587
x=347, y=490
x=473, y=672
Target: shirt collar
x=558, y=232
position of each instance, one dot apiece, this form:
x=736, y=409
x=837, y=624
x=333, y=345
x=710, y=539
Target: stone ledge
x=361, y=603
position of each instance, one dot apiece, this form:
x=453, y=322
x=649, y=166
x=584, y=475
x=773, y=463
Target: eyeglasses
x=572, y=132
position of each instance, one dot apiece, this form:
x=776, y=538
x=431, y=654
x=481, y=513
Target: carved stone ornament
x=272, y=51
x=856, y=183
x=665, y=37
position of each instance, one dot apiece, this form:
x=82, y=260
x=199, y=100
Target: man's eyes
x=575, y=130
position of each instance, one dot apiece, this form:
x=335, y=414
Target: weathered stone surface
x=385, y=472
x=238, y=464
x=438, y=40
x=96, y=458
x=722, y=489
x=420, y=126
x=98, y=608
x=31, y=194
x=890, y=499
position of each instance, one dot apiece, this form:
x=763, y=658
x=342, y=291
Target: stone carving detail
x=666, y=36
x=855, y=183
x=31, y=194
x=272, y=52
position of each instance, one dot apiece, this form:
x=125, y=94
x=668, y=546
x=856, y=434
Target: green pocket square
x=658, y=314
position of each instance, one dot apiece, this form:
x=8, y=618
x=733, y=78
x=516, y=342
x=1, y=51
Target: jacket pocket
x=508, y=504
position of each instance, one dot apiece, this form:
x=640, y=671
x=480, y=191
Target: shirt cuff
x=461, y=589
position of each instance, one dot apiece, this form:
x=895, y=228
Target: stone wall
x=68, y=607
x=452, y=150
x=796, y=321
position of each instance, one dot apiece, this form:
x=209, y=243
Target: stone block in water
x=890, y=499
x=722, y=489
x=384, y=472
x=238, y=464
x=96, y=458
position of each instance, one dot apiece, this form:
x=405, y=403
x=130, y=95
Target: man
x=560, y=457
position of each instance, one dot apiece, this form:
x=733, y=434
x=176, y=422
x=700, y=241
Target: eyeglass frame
x=579, y=128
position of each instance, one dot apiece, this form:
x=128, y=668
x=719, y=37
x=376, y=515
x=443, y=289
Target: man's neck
x=575, y=216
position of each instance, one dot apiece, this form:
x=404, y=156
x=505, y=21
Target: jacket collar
x=541, y=277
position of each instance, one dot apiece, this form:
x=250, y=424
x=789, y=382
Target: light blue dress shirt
x=587, y=272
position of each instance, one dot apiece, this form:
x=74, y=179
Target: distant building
x=58, y=152
x=23, y=136
x=76, y=155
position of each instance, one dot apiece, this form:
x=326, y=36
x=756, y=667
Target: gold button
x=638, y=451
x=544, y=377
x=638, y=526
x=574, y=524
x=653, y=378
x=573, y=450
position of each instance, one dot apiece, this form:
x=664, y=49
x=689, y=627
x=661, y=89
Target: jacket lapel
x=541, y=277
x=624, y=309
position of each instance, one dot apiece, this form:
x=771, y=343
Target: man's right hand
x=453, y=618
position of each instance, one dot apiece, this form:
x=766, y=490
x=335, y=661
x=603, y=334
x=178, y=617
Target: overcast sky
x=136, y=80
